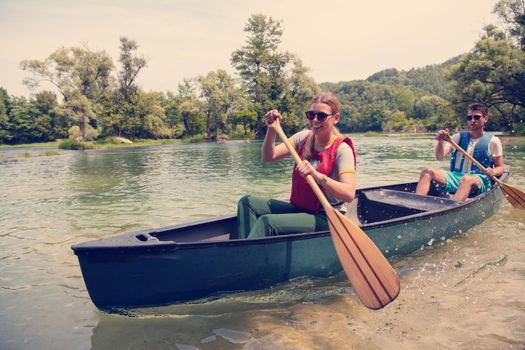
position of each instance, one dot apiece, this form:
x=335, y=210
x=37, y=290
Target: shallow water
x=463, y=293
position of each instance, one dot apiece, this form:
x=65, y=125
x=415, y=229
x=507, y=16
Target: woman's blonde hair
x=331, y=101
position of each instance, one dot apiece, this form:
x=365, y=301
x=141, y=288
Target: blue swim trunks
x=452, y=183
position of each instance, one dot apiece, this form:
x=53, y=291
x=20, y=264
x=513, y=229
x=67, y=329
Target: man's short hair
x=478, y=107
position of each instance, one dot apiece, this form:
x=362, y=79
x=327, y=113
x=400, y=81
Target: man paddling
x=464, y=178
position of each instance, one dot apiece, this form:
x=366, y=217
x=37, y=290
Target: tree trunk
x=186, y=125
x=82, y=135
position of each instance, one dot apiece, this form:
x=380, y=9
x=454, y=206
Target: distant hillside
x=393, y=100
x=431, y=79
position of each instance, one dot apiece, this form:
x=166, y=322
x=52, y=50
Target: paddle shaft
x=373, y=278
x=315, y=187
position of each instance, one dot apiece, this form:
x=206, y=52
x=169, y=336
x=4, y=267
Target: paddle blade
x=515, y=197
x=371, y=275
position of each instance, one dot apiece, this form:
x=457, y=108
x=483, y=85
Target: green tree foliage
x=261, y=66
x=79, y=108
x=73, y=71
x=5, y=127
x=221, y=98
x=190, y=109
x=131, y=65
x=433, y=79
x=30, y=120
x=512, y=12
x=300, y=88
x=493, y=73
x=96, y=95
x=119, y=106
x=365, y=106
x=245, y=118
x=397, y=122
x=435, y=113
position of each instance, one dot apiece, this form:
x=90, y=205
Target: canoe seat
x=409, y=200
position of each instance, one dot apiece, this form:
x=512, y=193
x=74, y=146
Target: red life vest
x=302, y=195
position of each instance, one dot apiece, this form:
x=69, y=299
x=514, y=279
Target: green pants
x=260, y=217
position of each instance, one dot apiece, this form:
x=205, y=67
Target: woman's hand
x=305, y=168
x=271, y=117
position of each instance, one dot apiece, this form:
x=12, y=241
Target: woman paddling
x=327, y=156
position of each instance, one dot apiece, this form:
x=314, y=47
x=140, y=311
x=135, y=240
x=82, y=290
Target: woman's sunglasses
x=321, y=116
x=476, y=117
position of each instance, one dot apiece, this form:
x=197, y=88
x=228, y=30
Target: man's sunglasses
x=476, y=117
x=321, y=116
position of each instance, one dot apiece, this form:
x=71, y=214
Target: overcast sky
x=338, y=40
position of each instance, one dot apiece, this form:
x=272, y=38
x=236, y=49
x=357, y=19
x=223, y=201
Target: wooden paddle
x=373, y=278
x=515, y=197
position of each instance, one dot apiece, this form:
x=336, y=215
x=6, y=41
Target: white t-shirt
x=344, y=162
x=495, y=150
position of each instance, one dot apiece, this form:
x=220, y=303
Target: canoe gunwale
x=129, y=243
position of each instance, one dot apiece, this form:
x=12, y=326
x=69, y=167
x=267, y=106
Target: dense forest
x=94, y=98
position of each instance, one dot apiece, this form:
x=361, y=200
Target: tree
x=47, y=105
x=396, y=121
x=374, y=116
x=119, y=112
x=73, y=71
x=405, y=100
x=80, y=109
x=260, y=65
x=220, y=94
x=300, y=88
x=131, y=65
x=512, y=12
x=493, y=73
x=154, y=123
x=5, y=135
x=244, y=117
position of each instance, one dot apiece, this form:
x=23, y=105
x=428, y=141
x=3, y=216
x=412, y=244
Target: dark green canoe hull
x=204, y=258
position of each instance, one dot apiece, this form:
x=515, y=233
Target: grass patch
x=110, y=142
x=53, y=144
x=242, y=136
x=49, y=153
x=373, y=134
x=74, y=145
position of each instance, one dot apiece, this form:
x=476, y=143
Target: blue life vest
x=481, y=153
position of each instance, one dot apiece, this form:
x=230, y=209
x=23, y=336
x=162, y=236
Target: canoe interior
x=371, y=206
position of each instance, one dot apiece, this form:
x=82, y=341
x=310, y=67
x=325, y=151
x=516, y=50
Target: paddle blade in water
x=515, y=197
x=373, y=278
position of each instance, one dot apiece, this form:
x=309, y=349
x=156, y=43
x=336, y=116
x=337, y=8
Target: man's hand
x=442, y=135
x=490, y=171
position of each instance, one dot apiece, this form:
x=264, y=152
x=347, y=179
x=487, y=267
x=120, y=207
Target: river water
x=465, y=293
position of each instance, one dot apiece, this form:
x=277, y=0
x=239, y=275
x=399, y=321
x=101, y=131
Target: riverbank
x=99, y=145
x=149, y=142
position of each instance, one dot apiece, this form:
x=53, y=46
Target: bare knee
x=469, y=182
x=428, y=173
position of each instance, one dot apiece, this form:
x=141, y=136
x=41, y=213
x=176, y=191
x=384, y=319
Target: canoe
x=205, y=258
